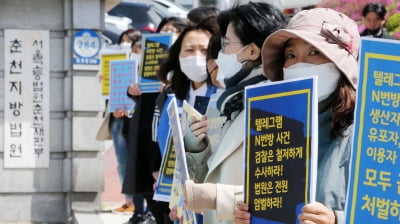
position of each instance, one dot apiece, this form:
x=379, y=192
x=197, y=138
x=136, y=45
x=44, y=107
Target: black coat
x=144, y=156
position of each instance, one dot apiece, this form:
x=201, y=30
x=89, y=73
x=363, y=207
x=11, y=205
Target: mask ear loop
x=240, y=51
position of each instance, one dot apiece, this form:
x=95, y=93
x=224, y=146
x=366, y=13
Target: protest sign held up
x=280, y=149
x=374, y=189
x=154, y=51
x=108, y=55
x=166, y=172
x=122, y=74
x=181, y=173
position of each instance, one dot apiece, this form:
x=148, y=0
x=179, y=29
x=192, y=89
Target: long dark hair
x=179, y=82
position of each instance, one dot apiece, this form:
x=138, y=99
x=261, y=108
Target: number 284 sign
x=86, y=46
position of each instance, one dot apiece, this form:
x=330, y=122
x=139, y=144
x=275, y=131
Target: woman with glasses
x=244, y=28
x=324, y=43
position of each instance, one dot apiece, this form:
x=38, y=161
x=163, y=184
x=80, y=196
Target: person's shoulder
x=364, y=33
x=386, y=35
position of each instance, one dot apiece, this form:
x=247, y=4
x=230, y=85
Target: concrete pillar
x=74, y=179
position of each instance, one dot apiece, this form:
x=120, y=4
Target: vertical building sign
x=26, y=99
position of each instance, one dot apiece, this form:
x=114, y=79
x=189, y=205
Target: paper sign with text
x=154, y=52
x=181, y=173
x=280, y=149
x=188, y=112
x=107, y=55
x=122, y=75
x=166, y=172
x=374, y=189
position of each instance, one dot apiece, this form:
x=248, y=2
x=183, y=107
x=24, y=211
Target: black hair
x=179, y=23
x=252, y=22
x=377, y=8
x=132, y=33
x=214, y=46
x=138, y=41
x=201, y=13
x=180, y=83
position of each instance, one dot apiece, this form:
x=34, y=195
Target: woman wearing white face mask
x=244, y=29
x=184, y=72
x=143, y=153
x=136, y=50
x=127, y=37
x=324, y=43
x=130, y=41
x=118, y=120
x=187, y=64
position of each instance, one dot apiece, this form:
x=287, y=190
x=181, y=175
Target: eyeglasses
x=225, y=43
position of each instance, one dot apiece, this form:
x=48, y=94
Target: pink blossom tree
x=353, y=8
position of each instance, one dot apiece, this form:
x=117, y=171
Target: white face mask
x=228, y=65
x=328, y=76
x=125, y=46
x=194, y=67
x=174, y=37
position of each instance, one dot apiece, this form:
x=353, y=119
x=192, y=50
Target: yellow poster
x=106, y=57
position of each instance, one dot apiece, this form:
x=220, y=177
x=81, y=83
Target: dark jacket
x=143, y=154
x=382, y=33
